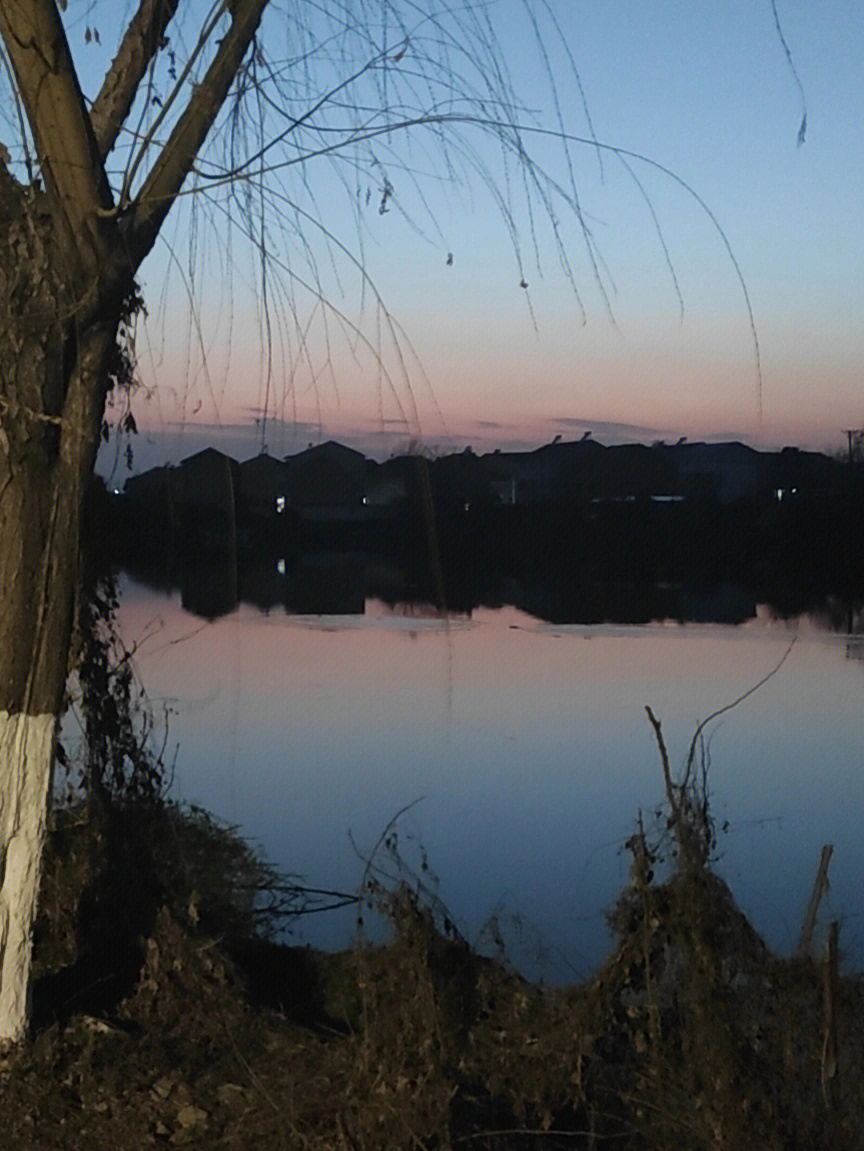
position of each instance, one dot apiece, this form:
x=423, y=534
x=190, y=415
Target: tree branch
x=68, y=154
x=175, y=161
x=141, y=42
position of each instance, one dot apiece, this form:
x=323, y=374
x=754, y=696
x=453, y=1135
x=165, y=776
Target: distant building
x=153, y=489
x=209, y=479
x=555, y=473
x=568, y=473
x=264, y=487
x=726, y=472
x=207, y=496
x=801, y=474
x=328, y=480
x=385, y=488
x=634, y=472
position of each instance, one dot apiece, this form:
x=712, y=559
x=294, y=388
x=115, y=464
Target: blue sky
x=706, y=91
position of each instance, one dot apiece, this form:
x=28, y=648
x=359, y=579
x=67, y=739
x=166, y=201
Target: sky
x=755, y=333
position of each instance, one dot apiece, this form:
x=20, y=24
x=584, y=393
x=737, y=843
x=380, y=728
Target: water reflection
x=529, y=743
x=213, y=582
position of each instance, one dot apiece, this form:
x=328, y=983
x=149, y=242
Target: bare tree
x=199, y=98
x=70, y=247
x=228, y=104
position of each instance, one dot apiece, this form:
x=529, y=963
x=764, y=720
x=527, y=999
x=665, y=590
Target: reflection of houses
x=208, y=583
x=629, y=532
x=327, y=584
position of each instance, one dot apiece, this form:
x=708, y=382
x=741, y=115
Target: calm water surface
x=529, y=750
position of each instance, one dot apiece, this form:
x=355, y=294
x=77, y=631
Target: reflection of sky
x=530, y=746
x=703, y=89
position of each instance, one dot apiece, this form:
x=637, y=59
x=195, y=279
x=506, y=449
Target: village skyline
x=123, y=456
x=335, y=480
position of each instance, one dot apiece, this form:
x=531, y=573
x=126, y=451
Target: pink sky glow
x=478, y=359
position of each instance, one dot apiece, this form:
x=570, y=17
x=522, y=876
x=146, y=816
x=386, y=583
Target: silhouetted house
x=459, y=482
x=633, y=472
x=152, y=491
x=554, y=473
x=805, y=475
x=503, y=475
x=386, y=487
x=209, y=479
x=725, y=472
x=148, y=519
x=504, y=491
x=264, y=487
x=207, y=496
x=535, y=477
x=400, y=486
x=566, y=473
x=327, y=481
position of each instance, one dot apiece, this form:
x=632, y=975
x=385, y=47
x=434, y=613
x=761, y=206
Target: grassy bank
x=164, y=1015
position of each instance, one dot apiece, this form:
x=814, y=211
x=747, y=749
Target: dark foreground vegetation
x=164, y=1015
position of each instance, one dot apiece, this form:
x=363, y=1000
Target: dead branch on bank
x=689, y=818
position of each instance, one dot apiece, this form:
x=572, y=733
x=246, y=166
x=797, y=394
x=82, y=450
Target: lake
x=523, y=753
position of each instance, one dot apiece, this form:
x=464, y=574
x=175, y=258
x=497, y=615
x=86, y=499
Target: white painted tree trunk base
x=26, y=758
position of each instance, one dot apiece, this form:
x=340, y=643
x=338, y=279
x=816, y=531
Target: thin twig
x=691, y=755
x=820, y=886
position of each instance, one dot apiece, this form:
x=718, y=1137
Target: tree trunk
x=68, y=257
x=44, y=467
x=55, y=357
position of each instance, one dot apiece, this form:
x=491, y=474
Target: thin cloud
x=612, y=429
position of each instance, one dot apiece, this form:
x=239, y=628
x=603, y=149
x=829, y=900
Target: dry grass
x=691, y=1035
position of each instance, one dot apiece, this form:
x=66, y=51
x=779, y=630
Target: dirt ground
x=151, y=1027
